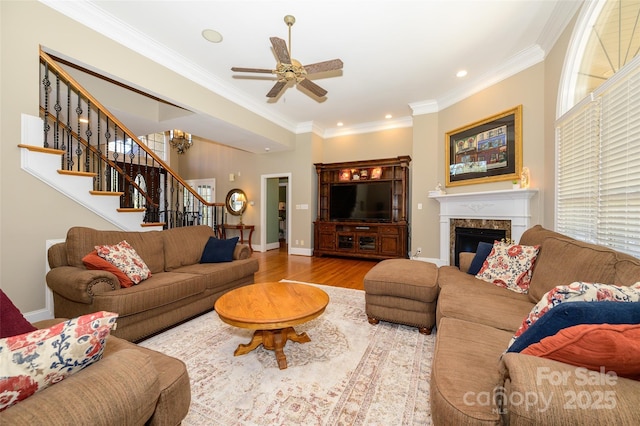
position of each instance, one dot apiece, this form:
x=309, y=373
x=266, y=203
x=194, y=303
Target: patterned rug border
x=350, y=373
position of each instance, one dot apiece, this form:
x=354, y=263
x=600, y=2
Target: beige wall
x=425, y=175
x=27, y=222
x=368, y=146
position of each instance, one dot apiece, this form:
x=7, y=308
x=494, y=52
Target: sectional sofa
x=180, y=286
x=473, y=380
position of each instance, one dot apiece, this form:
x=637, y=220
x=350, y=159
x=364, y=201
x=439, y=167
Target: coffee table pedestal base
x=273, y=340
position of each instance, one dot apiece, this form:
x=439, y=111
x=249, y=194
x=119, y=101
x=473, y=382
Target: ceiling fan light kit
x=289, y=70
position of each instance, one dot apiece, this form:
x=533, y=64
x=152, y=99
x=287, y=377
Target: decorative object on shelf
x=489, y=150
x=437, y=191
x=355, y=174
x=236, y=202
x=345, y=175
x=516, y=184
x=376, y=173
x=525, y=178
x=180, y=140
x=364, y=174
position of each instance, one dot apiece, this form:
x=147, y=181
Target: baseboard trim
x=301, y=251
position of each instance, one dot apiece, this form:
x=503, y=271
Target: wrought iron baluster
x=58, y=108
x=46, y=84
x=88, y=133
x=78, y=151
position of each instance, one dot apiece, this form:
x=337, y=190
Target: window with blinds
x=598, y=165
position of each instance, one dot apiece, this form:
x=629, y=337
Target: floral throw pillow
x=577, y=292
x=36, y=360
x=509, y=266
x=125, y=258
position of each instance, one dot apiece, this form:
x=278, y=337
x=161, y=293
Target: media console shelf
x=363, y=208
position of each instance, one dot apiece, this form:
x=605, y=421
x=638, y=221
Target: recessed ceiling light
x=340, y=123
x=461, y=73
x=388, y=116
x=212, y=35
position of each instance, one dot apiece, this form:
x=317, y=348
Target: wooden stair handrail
x=51, y=63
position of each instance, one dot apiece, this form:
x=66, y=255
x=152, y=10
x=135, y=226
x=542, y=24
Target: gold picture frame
x=489, y=150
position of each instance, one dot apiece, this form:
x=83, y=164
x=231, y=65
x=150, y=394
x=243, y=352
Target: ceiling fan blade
x=334, y=64
x=280, y=49
x=276, y=89
x=262, y=70
x=313, y=88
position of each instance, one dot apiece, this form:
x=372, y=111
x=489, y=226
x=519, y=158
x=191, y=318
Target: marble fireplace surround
x=512, y=210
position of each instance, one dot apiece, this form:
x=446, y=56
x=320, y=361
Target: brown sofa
x=471, y=384
x=179, y=288
x=130, y=385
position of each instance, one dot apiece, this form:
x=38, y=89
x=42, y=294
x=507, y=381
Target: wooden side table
x=241, y=229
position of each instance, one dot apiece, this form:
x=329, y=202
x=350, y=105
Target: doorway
x=275, y=218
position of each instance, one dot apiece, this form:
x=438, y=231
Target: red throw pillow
x=95, y=262
x=12, y=322
x=614, y=347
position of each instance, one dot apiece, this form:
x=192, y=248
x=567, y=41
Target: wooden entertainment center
x=363, y=221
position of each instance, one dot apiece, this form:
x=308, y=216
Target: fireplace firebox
x=467, y=239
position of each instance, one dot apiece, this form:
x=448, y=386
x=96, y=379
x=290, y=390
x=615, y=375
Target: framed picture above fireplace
x=488, y=150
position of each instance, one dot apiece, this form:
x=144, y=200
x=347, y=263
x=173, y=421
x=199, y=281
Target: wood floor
x=276, y=265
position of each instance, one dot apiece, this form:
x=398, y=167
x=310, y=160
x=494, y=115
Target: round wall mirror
x=236, y=202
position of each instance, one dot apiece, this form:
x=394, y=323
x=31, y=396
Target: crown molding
x=309, y=127
x=424, y=107
x=512, y=66
x=562, y=14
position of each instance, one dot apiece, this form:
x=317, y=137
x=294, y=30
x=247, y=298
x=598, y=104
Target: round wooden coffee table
x=272, y=309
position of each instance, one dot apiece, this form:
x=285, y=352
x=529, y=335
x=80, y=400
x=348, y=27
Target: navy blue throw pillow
x=569, y=314
x=482, y=252
x=216, y=251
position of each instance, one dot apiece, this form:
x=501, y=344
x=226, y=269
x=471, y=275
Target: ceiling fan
x=290, y=70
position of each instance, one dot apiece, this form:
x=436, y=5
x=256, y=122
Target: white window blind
x=599, y=165
x=577, y=195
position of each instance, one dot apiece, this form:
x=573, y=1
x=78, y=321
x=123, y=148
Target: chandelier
x=180, y=140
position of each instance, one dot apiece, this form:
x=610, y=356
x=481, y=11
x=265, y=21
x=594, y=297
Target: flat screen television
x=360, y=201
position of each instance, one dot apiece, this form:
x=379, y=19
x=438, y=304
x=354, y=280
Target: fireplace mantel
x=514, y=205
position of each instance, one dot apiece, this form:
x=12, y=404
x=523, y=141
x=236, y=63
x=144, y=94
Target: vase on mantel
x=516, y=184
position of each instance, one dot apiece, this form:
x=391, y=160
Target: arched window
x=598, y=132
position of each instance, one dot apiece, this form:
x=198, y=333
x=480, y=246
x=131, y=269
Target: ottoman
x=402, y=291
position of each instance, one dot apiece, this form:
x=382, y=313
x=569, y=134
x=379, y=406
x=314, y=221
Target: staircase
x=79, y=148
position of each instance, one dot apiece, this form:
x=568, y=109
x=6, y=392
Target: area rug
x=351, y=373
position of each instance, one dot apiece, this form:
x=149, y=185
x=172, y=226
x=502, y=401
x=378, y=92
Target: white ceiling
x=400, y=57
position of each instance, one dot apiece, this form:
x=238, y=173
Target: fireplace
x=510, y=210
x=467, y=239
